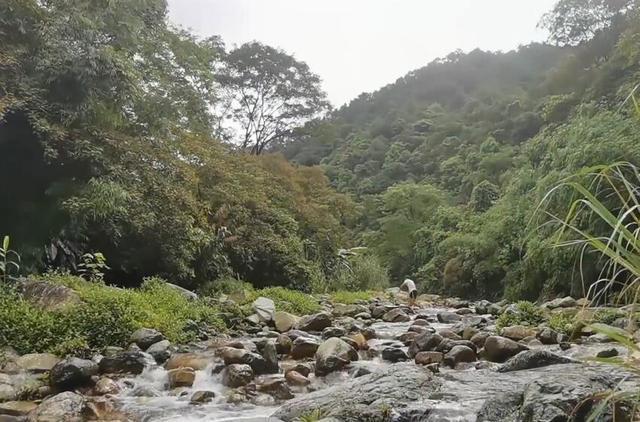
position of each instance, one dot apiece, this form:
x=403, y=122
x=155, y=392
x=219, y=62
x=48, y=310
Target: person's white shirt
x=408, y=285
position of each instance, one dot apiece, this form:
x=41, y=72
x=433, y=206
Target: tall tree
x=269, y=93
x=572, y=22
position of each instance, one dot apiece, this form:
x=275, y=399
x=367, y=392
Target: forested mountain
x=450, y=163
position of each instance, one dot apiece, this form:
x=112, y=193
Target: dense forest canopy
x=177, y=156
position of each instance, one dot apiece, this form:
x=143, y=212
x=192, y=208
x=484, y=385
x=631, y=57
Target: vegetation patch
x=525, y=313
x=348, y=297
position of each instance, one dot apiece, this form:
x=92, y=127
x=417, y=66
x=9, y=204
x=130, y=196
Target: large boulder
x=562, y=302
x=145, y=337
x=394, y=354
x=548, y=336
x=67, y=406
x=132, y=362
x=72, y=373
x=160, y=351
x=304, y=347
x=283, y=344
x=257, y=362
x=37, y=362
x=427, y=358
x=529, y=359
x=237, y=375
x=197, y=361
x=499, y=349
x=47, y=295
x=460, y=354
x=284, y=321
x=181, y=377
x=265, y=308
x=276, y=387
x=396, y=315
x=316, y=322
x=367, y=397
x=518, y=332
x=333, y=332
x=448, y=317
x=17, y=409
x=333, y=355
x=424, y=343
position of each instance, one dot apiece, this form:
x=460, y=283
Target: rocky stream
x=443, y=360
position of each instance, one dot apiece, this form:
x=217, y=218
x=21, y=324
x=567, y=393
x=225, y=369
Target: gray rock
x=202, y=396
x=145, y=337
x=448, y=317
x=424, y=343
x=367, y=397
x=316, y=322
x=548, y=336
x=341, y=310
x=459, y=354
x=608, y=353
x=283, y=344
x=265, y=308
x=37, y=362
x=237, y=375
x=333, y=332
x=499, y=349
x=396, y=315
x=47, y=295
x=529, y=359
x=564, y=302
x=333, y=355
x=160, y=351
x=270, y=355
x=125, y=363
x=72, y=373
x=394, y=354
x=284, y=321
x=304, y=347
x=65, y=406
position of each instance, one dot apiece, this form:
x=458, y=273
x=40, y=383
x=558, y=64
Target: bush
x=561, y=322
x=526, y=313
x=348, y=297
x=287, y=300
x=364, y=272
x=106, y=317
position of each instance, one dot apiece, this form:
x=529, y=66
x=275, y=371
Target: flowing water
x=475, y=385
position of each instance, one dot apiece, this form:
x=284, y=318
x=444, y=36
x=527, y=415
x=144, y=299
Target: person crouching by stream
x=409, y=286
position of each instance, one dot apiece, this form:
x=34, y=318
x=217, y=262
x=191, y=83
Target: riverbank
x=371, y=359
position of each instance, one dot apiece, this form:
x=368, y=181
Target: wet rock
x=499, y=349
x=340, y=310
x=394, y=354
x=304, y=348
x=565, y=345
x=333, y=355
x=469, y=332
x=479, y=339
x=47, y=295
x=270, y=355
x=242, y=356
x=427, y=358
x=447, y=333
x=424, y=342
x=124, y=363
x=277, y=388
x=283, y=344
x=350, y=342
x=396, y=315
x=197, y=361
x=106, y=386
x=265, y=308
x=67, y=406
x=565, y=302
x=369, y=333
x=529, y=359
x=302, y=368
x=145, y=391
x=459, y=354
x=237, y=375
x=16, y=408
x=202, y=397
x=333, y=332
x=407, y=338
x=464, y=311
x=72, y=373
x=518, y=332
x=448, y=317
x=366, y=397
x=284, y=321
x=599, y=338
x=181, y=377
x=503, y=407
x=418, y=329
x=359, y=340
x=37, y=362
x=548, y=336
x=378, y=311
x=316, y=322
x=359, y=371
x=363, y=315
x=608, y=353
x=296, y=378
x=160, y=351
x=145, y=337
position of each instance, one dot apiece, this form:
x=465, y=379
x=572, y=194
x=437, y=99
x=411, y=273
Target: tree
x=269, y=93
x=572, y=22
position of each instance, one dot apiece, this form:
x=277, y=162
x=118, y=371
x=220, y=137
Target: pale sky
x=361, y=45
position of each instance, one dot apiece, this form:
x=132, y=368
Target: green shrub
x=606, y=316
x=287, y=300
x=363, y=272
x=106, y=317
x=526, y=313
x=226, y=285
x=561, y=322
x=348, y=297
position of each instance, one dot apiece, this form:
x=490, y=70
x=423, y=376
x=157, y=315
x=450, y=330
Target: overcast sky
x=362, y=45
